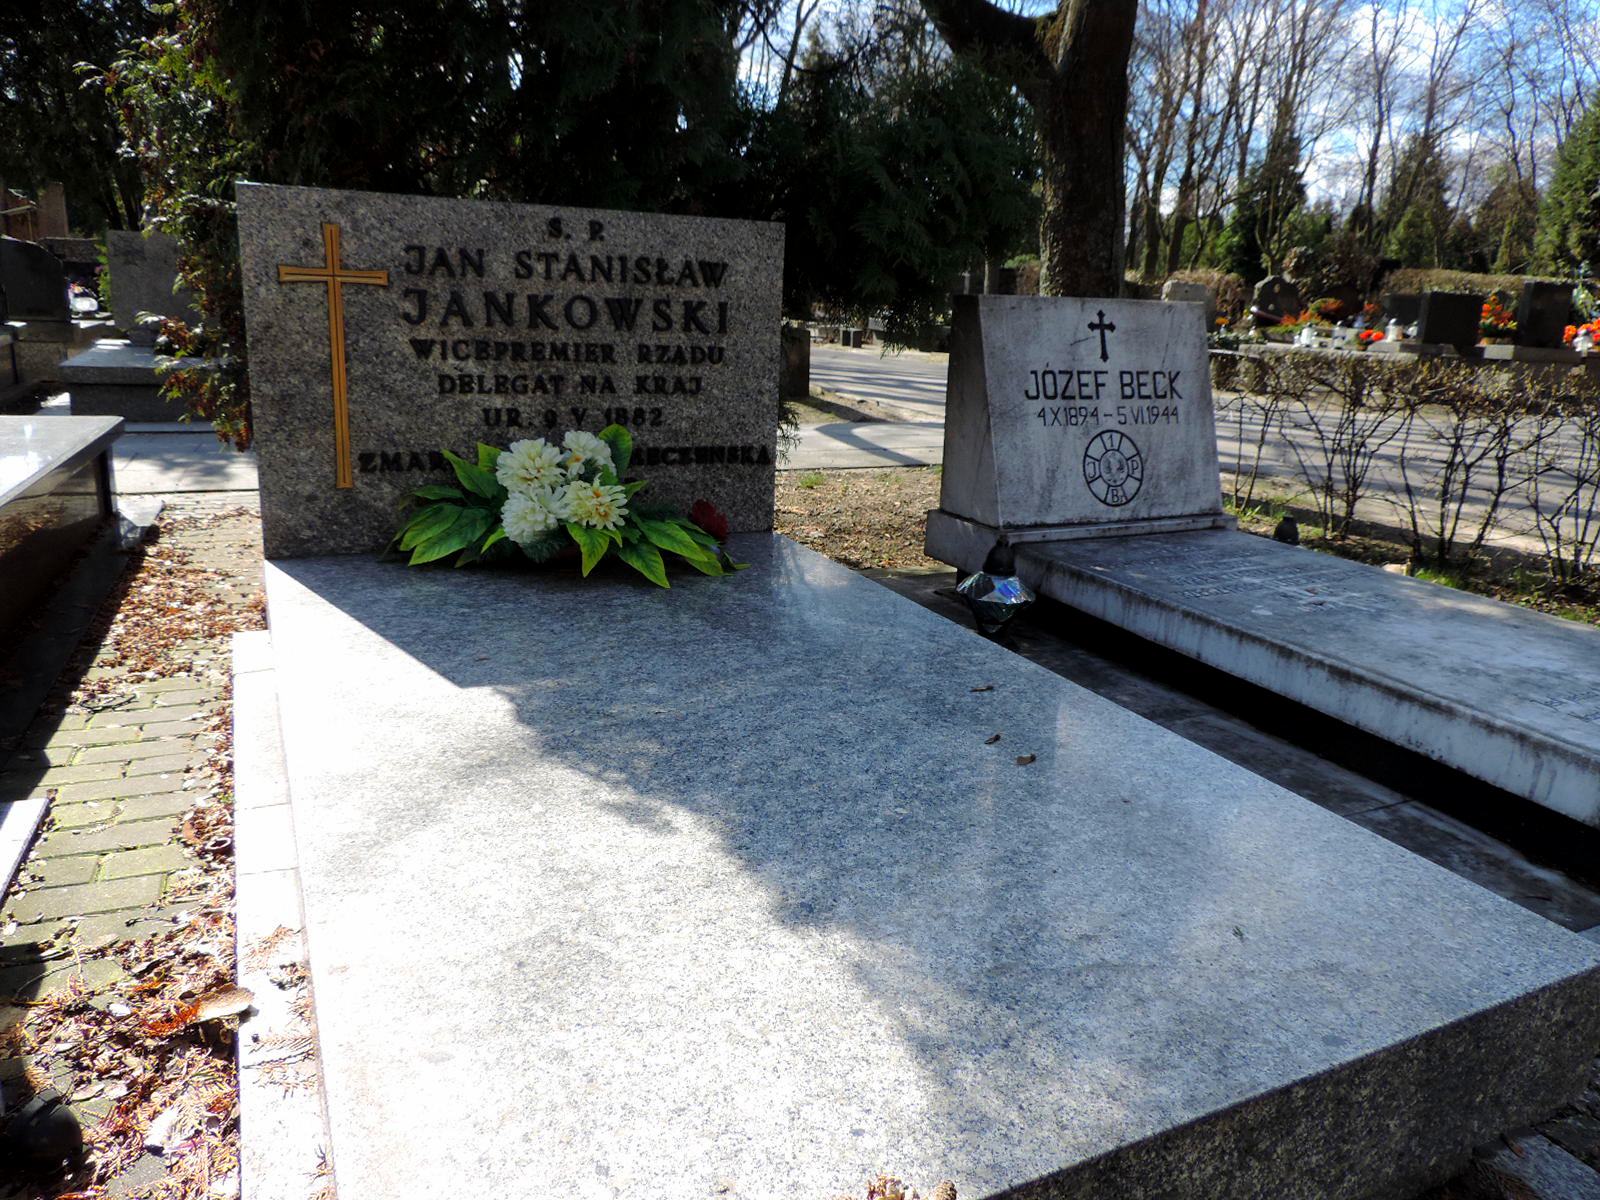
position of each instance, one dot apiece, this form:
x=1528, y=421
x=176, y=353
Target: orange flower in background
x=1593, y=328
x=1496, y=320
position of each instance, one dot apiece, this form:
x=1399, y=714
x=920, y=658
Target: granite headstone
x=1405, y=307
x=1074, y=417
x=1274, y=299
x=1543, y=311
x=1449, y=319
x=466, y=321
x=33, y=281
x=144, y=277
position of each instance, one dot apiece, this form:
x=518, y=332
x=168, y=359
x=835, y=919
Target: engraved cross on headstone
x=1102, y=327
x=335, y=275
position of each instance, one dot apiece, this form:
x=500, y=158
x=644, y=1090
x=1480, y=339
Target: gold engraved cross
x=335, y=275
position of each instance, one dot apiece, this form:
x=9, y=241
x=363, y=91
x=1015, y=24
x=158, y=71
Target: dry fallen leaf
x=228, y=1002
x=986, y=687
x=1024, y=759
x=225, y=1002
x=991, y=739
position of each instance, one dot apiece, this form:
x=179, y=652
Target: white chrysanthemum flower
x=598, y=505
x=529, y=515
x=584, y=448
x=528, y=465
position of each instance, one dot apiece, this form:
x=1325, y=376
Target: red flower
x=705, y=514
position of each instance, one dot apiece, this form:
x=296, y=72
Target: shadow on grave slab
x=761, y=821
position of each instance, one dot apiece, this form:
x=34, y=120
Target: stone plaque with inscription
x=385, y=329
x=1074, y=418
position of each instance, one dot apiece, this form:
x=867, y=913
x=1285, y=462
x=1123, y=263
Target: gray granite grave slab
x=1066, y=417
x=33, y=448
x=55, y=496
x=1504, y=693
x=144, y=276
x=40, y=347
x=118, y=377
x=723, y=891
x=466, y=321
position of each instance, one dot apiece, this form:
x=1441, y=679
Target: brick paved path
x=113, y=863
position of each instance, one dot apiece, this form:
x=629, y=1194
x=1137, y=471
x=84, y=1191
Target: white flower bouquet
x=542, y=498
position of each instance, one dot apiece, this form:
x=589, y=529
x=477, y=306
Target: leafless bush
x=1351, y=410
x=1471, y=447
x=1564, y=475
x=1465, y=452
x=1255, y=410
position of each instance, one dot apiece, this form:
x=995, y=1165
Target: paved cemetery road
x=168, y=458
x=866, y=444
x=911, y=381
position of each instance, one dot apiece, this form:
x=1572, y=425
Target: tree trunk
x=1072, y=66
x=1080, y=227
x=1152, y=239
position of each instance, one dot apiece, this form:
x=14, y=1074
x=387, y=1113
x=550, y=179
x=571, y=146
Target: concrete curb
x=283, y=1127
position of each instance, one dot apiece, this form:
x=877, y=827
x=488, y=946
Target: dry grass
x=862, y=518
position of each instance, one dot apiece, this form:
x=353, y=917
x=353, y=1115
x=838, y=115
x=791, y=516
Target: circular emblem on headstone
x=1113, y=468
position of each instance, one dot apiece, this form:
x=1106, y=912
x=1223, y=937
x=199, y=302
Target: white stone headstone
x=1074, y=418
x=1187, y=290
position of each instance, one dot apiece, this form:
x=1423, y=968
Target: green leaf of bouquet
x=706, y=566
x=427, y=523
x=474, y=478
x=647, y=561
x=464, y=532
x=498, y=535
x=488, y=456
x=474, y=523
x=593, y=542
x=621, y=443
x=670, y=537
x=438, y=491
x=440, y=542
x=629, y=489
x=694, y=531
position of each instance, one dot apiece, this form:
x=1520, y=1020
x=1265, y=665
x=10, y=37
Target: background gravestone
x=467, y=321
x=1449, y=319
x=1183, y=290
x=1348, y=299
x=1543, y=311
x=33, y=281
x=1405, y=307
x=144, y=272
x=1073, y=417
x=1274, y=299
